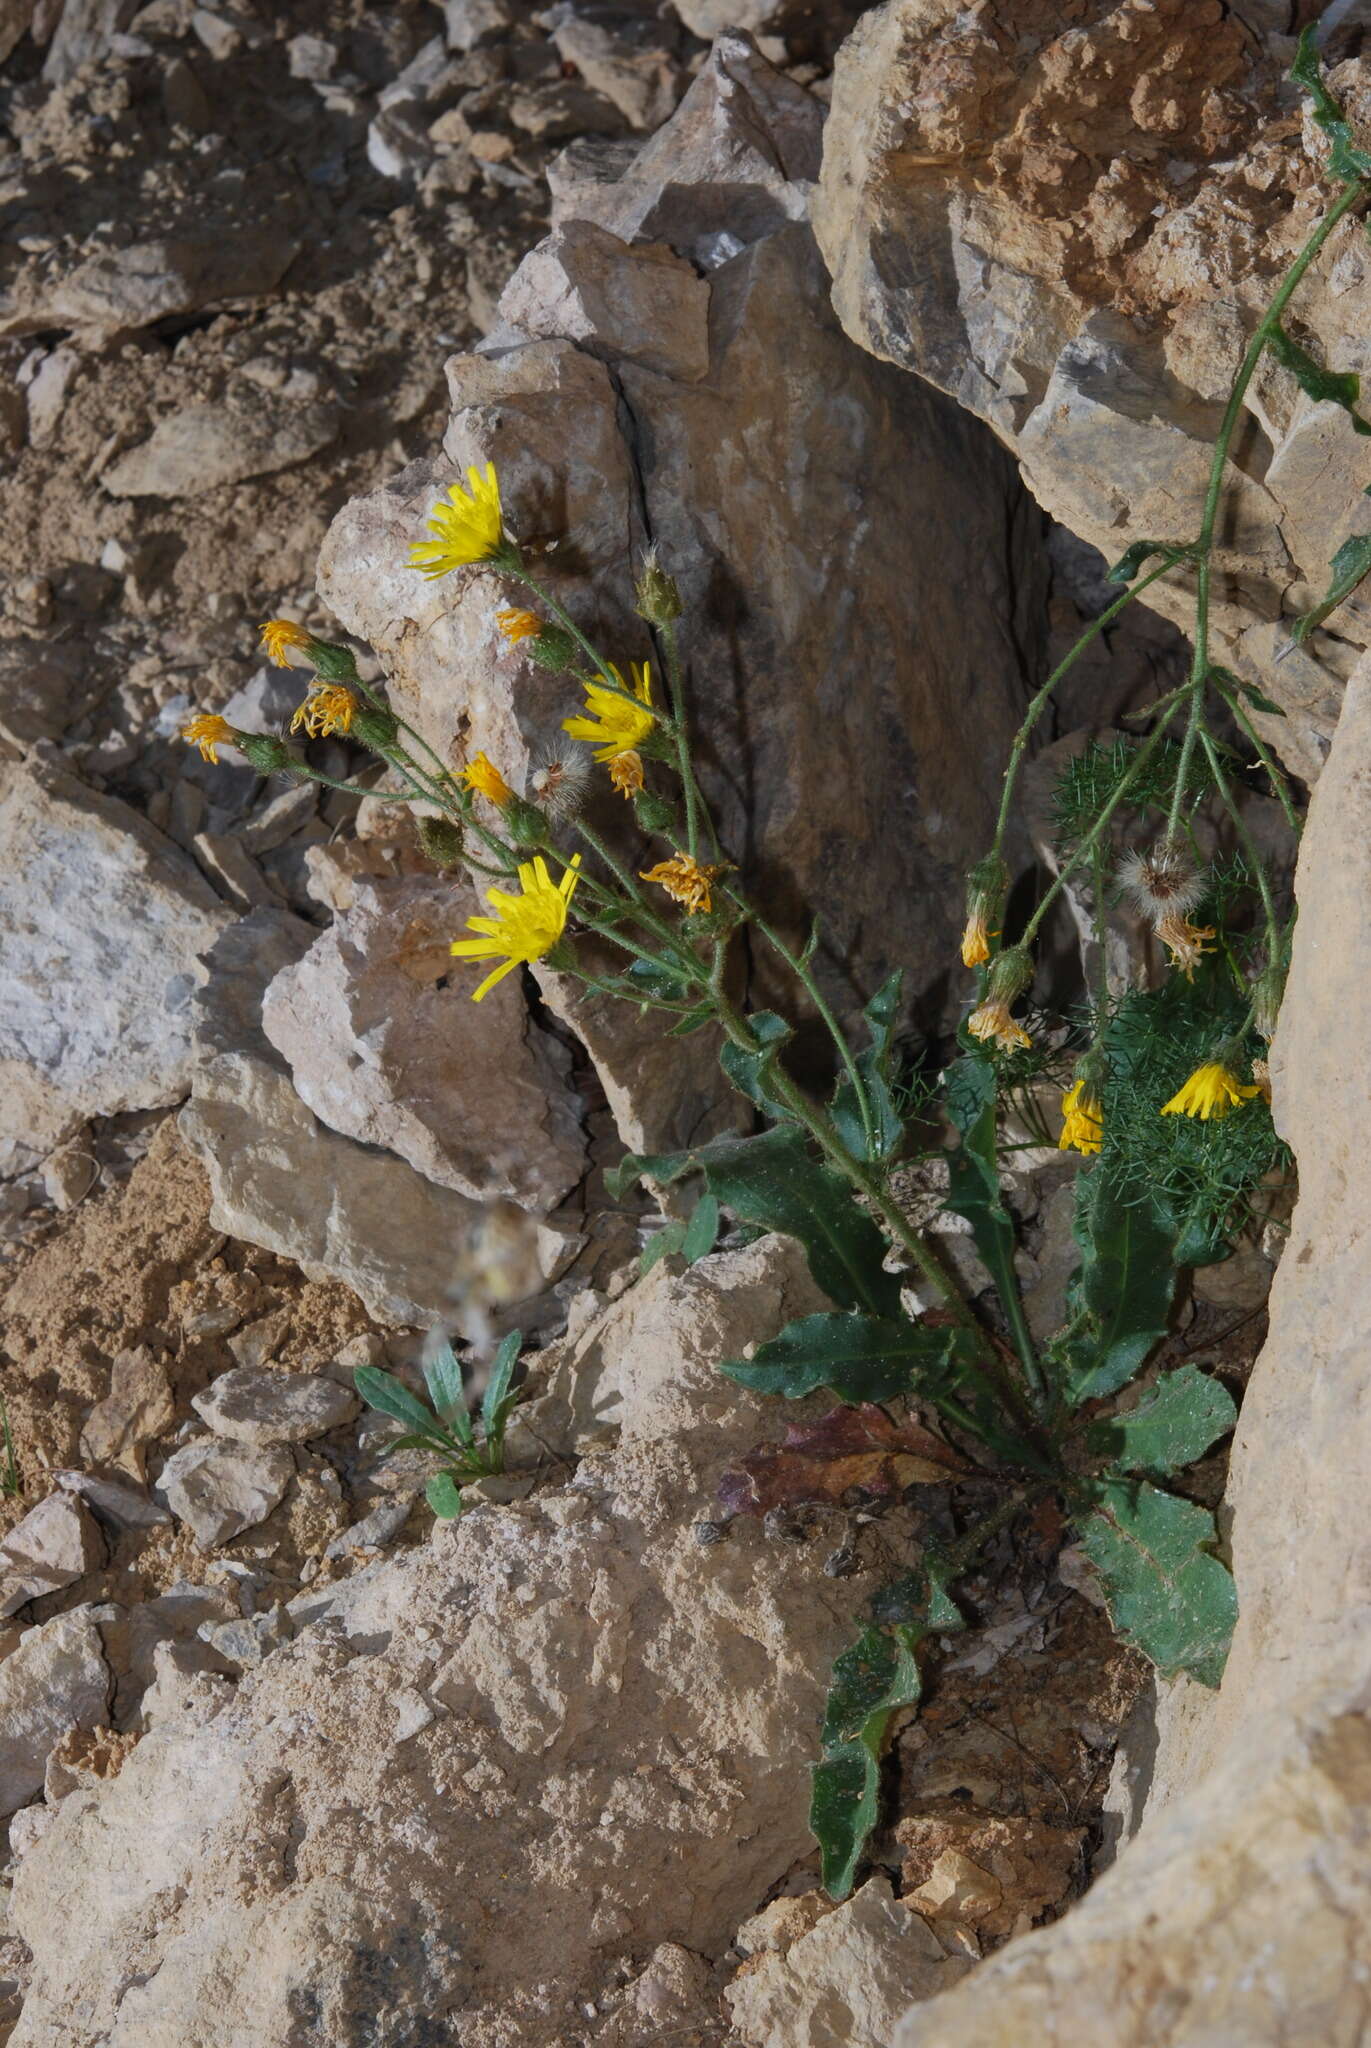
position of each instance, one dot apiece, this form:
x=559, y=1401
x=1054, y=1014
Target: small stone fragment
x=204, y=447
x=56, y=1543
x=255, y=1405
x=137, y=1408
x=57, y=1679
x=222, y=1488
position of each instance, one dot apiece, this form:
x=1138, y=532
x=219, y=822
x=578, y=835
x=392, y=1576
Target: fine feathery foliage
x=1164, y=1082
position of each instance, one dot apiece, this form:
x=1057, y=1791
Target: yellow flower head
x=1185, y=941
x=1211, y=1091
x=329, y=708
x=614, y=725
x=626, y=772
x=1082, y=1115
x=279, y=634
x=207, y=732
x=517, y=625
x=469, y=529
x=485, y=778
x=524, y=927
x=975, y=941
x=992, y=1020
x=686, y=881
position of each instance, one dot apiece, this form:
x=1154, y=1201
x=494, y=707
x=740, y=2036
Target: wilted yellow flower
x=614, y=725
x=686, y=881
x=1185, y=940
x=975, y=941
x=207, y=732
x=328, y=709
x=1082, y=1115
x=1211, y=1091
x=485, y=778
x=1261, y=1074
x=992, y=1020
x=279, y=634
x=517, y=625
x=468, y=529
x=626, y=772
x=524, y=927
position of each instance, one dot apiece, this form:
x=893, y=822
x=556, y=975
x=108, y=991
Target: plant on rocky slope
x=470, y=1447
x=1167, y=1100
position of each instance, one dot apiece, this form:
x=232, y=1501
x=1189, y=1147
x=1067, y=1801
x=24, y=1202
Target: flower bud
x=1011, y=972
x=268, y=755
x=334, y=663
x=1268, y=992
x=374, y=728
x=525, y=823
x=659, y=599
x=553, y=648
x=442, y=840
x=654, y=813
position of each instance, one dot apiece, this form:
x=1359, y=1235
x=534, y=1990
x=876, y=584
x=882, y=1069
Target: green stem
x=1278, y=780
x=694, y=803
x=1192, y=732
x=1248, y=843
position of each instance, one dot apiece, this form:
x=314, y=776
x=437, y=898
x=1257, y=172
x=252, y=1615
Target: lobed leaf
x=1140, y=552
x=1167, y=1593
x=1335, y=387
x=973, y=1169
x=702, y=1231
x=1345, y=160
x=663, y=1244
x=857, y=1357
x=1176, y=1423
x=1349, y=565
x=750, y=1072
x=874, y=1065
x=1121, y=1297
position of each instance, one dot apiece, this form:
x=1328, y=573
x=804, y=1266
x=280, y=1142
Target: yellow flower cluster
x=470, y=528
x=208, y=732
x=524, y=927
x=1211, y=1092
x=328, y=709
x=1083, y=1119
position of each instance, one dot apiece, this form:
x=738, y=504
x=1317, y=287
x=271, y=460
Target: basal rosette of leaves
x=1164, y=1086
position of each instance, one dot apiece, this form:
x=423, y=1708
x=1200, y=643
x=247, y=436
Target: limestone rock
x=221, y=1488
x=867, y=806
x=56, y=1680
x=254, y=1405
x=55, y=1544
x=103, y=919
x=573, y=1755
x=137, y=1408
x=844, y=1983
x=283, y=1180
x=1240, y=1910
x=15, y=16
x=119, y=289
x=386, y=1046
x=205, y=447
x=83, y=34
x=1073, y=226
x=644, y=304
x=619, y=53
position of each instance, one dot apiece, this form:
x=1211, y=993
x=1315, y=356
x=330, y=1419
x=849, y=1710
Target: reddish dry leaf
x=819, y=1461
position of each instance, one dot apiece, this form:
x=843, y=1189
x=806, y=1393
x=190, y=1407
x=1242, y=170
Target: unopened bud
x=442, y=840
x=268, y=755
x=659, y=599
x=525, y=823
x=334, y=663
x=553, y=648
x=1268, y=992
x=374, y=728
x=1011, y=972
x=654, y=813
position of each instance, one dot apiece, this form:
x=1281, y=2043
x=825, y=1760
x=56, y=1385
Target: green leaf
x=694, y=1020
x=663, y=1244
x=444, y=1496
x=1335, y=387
x=874, y=1065
x=1238, y=686
x=443, y=1378
x=871, y=1681
x=1172, y=1426
x=1344, y=159
x=383, y=1391
x=702, y=1232
x=750, y=1072
x=1167, y=1594
x=498, y=1400
x=430, y=1440
x=1139, y=552
x=1121, y=1296
x=973, y=1189
x=654, y=978
x=775, y=1181
x=858, y=1358
x=1350, y=564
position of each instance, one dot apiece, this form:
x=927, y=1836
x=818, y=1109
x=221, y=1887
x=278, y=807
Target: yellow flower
x=524, y=927
x=328, y=709
x=485, y=778
x=686, y=881
x=279, y=634
x=469, y=529
x=1082, y=1113
x=1185, y=940
x=517, y=625
x=975, y=941
x=615, y=726
x=626, y=772
x=1211, y=1091
x=207, y=732
x=992, y=1020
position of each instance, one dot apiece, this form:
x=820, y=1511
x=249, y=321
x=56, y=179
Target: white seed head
x=559, y=779
x=1161, y=882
